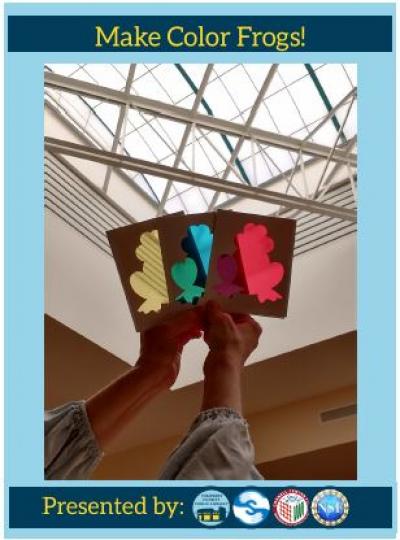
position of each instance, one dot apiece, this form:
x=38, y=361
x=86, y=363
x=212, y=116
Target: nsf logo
x=330, y=507
x=251, y=507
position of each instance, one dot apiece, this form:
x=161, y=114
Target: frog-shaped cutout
x=150, y=283
x=197, y=244
x=184, y=274
x=227, y=269
x=191, y=273
x=260, y=274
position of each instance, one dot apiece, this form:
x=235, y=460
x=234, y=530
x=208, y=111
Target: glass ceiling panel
x=163, y=83
x=113, y=77
x=334, y=81
x=221, y=103
x=308, y=101
x=155, y=140
x=174, y=204
x=158, y=184
x=290, y=73
x=293, y=105
x=195, y=72
x=193, y=200
x=326, y=134
x=255, y=74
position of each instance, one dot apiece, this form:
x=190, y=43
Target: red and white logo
x=291, y=507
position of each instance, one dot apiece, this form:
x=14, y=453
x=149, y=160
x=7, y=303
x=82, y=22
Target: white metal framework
x=280, y=134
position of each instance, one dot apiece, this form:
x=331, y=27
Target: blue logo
x=211, y=508
x=251, y=507
x=330, y=507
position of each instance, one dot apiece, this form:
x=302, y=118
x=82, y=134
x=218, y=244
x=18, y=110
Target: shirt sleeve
x=217, y=447
x=71, y=448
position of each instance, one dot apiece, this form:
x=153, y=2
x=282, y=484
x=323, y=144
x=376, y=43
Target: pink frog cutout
x=260, y=274
x=227, y=269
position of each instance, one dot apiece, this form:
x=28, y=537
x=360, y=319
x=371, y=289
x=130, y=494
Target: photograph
x=200, y=272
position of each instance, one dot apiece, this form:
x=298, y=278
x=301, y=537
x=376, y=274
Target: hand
x=161, y=347
x=232, y=337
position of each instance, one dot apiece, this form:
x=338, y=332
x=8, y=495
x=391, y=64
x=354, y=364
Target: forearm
x=112, y=407
x=222, y=382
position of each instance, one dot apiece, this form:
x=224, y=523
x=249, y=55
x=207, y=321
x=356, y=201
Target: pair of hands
x=230, y=337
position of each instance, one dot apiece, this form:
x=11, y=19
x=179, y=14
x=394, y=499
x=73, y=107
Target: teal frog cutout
x=184, y=274
x=191, y=274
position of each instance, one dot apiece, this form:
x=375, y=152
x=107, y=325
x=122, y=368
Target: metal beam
x=180, y=114
x=123, y=111
x=252, y=114
x=320, y=181
x=209, y=111
x=325, y=99
x=57, y=146
x=186, y=133
x=351, y=95
x=349, y=147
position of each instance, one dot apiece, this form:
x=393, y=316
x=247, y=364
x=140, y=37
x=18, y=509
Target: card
x=163, y=264
x=137, y=253
x=251, y=263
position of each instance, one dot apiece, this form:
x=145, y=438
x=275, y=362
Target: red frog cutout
x=259, y=273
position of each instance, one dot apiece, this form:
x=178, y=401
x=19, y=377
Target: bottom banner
x=194, y=507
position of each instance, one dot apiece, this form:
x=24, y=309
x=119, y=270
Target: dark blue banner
x=197, y=507
x=200, y=33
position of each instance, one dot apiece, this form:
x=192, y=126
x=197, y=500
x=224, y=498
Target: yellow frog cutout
x=150, y=283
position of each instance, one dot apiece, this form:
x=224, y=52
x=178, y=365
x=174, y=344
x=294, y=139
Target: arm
x=155, y=371
x=218, y=444
x=78, y=433
x=231, y=338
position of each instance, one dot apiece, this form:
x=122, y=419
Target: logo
x=211, y=508
x=330, y=507
x=251, y=507
x=291, y=507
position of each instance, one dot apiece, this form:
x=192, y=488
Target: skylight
x=298, y=98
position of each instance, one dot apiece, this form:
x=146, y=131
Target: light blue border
x=24, y=290
x=208, y=9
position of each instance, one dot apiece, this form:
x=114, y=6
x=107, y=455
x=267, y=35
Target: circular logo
x=291, y=507
x=330, y=507
x=211, y=508
x=251, y=507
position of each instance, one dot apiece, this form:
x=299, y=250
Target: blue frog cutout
x=191, y=274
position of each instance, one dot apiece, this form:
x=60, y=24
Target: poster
x=271, y=411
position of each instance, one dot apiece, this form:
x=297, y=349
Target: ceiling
x=312, y=104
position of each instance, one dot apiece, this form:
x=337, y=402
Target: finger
x=187, y=318
x=240, y=317
x=244, y=318
x=254, y=325
x=216, y=316
x=187, y=336
x=257, y=326
x=185, y=321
